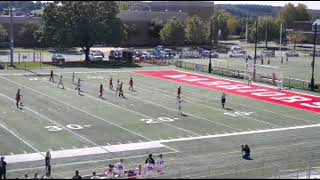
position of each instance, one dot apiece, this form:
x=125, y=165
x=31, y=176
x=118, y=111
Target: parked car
x=292, y=54
x=317, y=53
x=237, y=53
x=206, y=54
x=115, y=55
x=58, y=58
x=96, y=57
x=98, y=52
x=267, y=53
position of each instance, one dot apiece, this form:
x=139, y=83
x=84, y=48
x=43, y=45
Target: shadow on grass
x=96, y=64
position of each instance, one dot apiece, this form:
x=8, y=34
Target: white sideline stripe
x=240, y=133
x=80, y=72
x=84, y=151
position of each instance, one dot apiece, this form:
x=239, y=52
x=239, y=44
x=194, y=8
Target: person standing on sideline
x=121, y=90
x=77, y=176
x=160, y=165
x=78, y=86
x=118, y=87
x=150, y=159
x=3, y=168
x=47, y=160
x=101, y=91
x=60, y=82
x=249, y=80
x=110, y=84
x=51, y=76
x=131, y=84
x=179, y=101
x=18, y=98
x=179, y=92
x=73, y=77
x=223, y=99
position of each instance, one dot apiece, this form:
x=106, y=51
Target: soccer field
x=87, y=133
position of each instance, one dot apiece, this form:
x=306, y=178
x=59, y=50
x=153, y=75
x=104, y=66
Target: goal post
x=265, y=73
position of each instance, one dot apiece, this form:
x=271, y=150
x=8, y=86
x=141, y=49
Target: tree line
x=75, y=24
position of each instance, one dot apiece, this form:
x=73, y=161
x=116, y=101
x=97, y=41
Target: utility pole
x=266, y=34
x=314, y=55
x=11, y=34
x=210, y=64
x=247, y=28
x=280, y=43
x=255, y=51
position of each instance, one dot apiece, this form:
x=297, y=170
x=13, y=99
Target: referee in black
x=223, y=100
x=48, y=162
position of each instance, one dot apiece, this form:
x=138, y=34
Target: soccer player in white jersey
x=119, y=169
x=160, y=165
x=60, y=82
x=149, y=170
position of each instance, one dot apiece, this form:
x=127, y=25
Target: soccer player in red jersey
x=18, y=98
x=101, y=91
x=110, y=84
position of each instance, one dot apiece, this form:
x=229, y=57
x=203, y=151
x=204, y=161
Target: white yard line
x=258, y=85
x=21, y=139
x=54, y=122
x=209, y=107
x=135, y=112
x=97, y=117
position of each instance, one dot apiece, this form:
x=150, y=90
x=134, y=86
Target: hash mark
x=74, y=147
x=11, y=153
x=25, y=152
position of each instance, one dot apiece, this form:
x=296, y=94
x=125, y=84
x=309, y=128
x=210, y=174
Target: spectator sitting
x=77, y=176
x=109, y=172
x=119, y=168
x=150, y=160
x=94, y=176
x=246, y=150
x=36, y=176
x=47, y=176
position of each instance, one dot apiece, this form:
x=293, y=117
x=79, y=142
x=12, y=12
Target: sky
x=309, y=4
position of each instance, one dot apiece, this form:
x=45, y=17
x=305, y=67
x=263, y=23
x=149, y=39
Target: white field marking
x=97, y=117
x=11, y=153
x=167, y=160
x=87, y=162
x=80, y=72
x=61, y=148
x=50, y=149
x=259, y=85
x=119, y=143
x=209, y=107
x=54, y=122
x=85, y=146
x=135, y=112
x=21, y=139
x=74, y=147
x=170, y=109
x=25, y=152
x=84, y=151
x=241, y=133
x=108, y=144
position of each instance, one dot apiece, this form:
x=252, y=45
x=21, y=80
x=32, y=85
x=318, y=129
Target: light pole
x=281, y=43
x=255, y=51
x=210, y=65
x=314, y=28
x=11, y=34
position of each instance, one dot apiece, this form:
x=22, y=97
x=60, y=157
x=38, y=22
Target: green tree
x=123, y=6
x=195, y=30
x=155, y=26
x=82, y=23
x=264, y=23
x=297, y=37
x=173, y=32
x=289, y=13
x=219, y=23
x=233, y=24
x=3, y=34
x=26, y=36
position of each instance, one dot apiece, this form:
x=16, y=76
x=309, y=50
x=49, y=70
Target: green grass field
x=60, y=119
